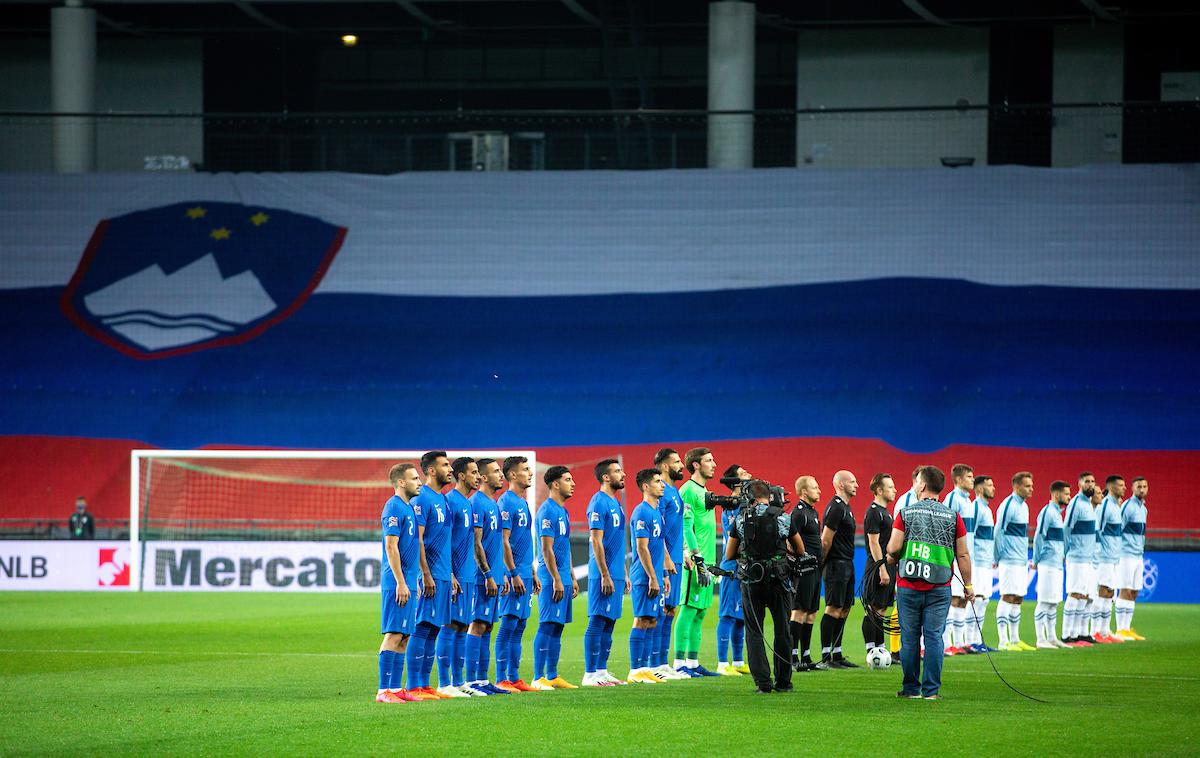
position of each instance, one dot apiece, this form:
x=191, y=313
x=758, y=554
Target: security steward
x=927, y=540
x=759, y=539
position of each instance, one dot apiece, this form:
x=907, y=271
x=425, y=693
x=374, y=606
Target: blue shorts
x=548, y=610
x=609, y=607
x=645, y=606
x=435, y=610
x=397, y=619
x=672, y=598
x=731, y=598
x=518, y=605
x=462, y=607
x=485, y=607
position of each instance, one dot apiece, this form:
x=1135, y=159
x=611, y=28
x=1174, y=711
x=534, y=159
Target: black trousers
x=757, y=600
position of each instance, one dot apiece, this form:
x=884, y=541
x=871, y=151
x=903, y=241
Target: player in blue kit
x=490, y=580
x=606, y=573
x=1108, y=554
x=731, y=623
x=647, y=575
x=1048, y=554
x=438, y=585
x=1012, y=554
x=670, y=508
x=1079, y=550
x=401, y=571
x=452, y=642
x=1133, y=550
x=516, y=525
x=554, y=572
x=955, y=638
x=981, y=558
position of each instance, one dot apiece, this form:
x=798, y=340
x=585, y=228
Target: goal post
x=260, y=494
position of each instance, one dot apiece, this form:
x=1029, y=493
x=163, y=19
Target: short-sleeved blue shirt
x=647, y=522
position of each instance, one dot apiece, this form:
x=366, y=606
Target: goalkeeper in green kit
x=700, y=539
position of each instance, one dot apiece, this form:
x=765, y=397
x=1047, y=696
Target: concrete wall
x=159, y=76
x=868, y=68
x=1089, y=65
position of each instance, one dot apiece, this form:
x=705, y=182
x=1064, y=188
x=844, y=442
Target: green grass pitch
x=269, y=674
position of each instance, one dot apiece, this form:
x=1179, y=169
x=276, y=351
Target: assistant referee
x=837, y=543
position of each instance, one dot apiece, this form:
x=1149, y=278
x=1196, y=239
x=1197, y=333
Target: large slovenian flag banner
x=798, y=322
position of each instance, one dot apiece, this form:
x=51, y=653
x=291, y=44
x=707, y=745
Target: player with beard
x=982, y=567
x=1079, y=547
x=606, y=573
x=700, y=536
x=670, y=509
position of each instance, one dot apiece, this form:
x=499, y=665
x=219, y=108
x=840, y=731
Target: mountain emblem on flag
x=189, y=276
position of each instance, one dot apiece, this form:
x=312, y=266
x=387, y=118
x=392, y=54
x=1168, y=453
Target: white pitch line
x=214, y=653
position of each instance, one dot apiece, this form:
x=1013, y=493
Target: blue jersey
x=960, y=502
x=1012, y=530
x=399, y=520
x=433, y=514
x=1109, y=530
x=727, y=517
x=604, y=514
x=985, y=534
x=1079, y=523
x=462, y=537
x=1048, y=537
x=485, y=516
x=1133, y=528
x=514, y=516
x=905, y=500
x=554, y=522
x=670, y=508
x=646, y=522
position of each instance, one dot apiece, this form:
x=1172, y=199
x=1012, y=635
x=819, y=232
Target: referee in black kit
x=837, y=545
x=807, y=601
x=877, y=528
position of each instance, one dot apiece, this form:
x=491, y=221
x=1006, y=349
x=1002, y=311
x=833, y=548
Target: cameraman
x=759, y=539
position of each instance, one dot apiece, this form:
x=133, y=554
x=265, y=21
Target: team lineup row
x=460, y=564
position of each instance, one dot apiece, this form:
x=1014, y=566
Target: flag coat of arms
x=193, y=275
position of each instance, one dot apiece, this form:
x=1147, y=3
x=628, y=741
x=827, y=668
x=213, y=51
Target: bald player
x=837, y=545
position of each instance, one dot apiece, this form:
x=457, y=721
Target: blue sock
x=387, y=669
x=724, y=632
x=431, y=656
x=738, y=640
x=541, y=646
x=416, y=656
x=445, y=655
x=637, y=643
x=605, y=644
x=471, y=655
x=484, y=657
x=515, y=645
x=459, y=661
x=554, y=651
x=591, y=643
x=662, y=653
x=503, y=643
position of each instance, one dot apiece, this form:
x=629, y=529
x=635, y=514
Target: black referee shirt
x=807, y=524
x=839, y=519
x=878, y=521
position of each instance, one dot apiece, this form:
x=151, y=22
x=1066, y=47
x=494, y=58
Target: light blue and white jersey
x=1048, y=537
x=1012, y=530
x=905, y=500
x=1133, y=527
x=1109, y=529
x=960, y=502
x=985, y=533
x=1079, y=524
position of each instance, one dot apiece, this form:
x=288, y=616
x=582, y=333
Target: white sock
x=981, y=604
x=693, y=663
x=1014, y=621
x=737, y=664
x=1044, y=621
x=961, y=630
x=1084, y=613
x=1071, y=610
x=1002, y=622
x=947, y=636
x=680, y=663
x=1124, y=613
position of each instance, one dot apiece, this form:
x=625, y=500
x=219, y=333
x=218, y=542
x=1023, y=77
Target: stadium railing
x=1060, y=134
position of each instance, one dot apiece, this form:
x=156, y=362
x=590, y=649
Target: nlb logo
x=189, y=276
x=114, y=567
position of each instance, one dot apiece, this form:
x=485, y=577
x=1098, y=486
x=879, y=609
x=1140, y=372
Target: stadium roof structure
x=523, y=21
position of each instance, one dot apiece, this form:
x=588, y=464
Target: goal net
x=276, y=495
